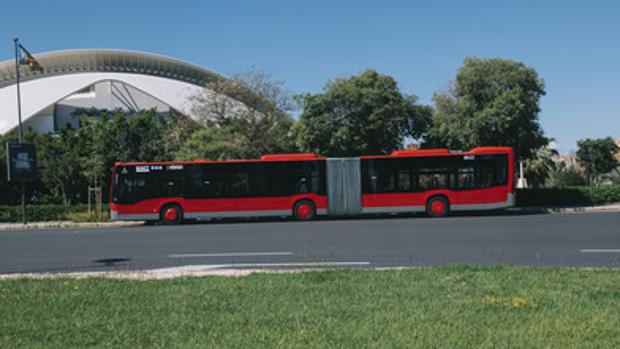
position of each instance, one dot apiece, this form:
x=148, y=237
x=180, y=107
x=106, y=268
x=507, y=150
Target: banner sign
x=21, y=162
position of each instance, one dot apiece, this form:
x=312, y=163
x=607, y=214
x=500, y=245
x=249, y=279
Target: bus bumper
x=511, y=200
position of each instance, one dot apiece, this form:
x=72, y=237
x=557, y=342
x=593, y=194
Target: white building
x=102, y=79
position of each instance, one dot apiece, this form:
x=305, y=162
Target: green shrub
x=40, y=213
x=85, y=216
x=567, y=196
x=569, y=178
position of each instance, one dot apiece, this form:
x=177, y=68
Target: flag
x=25, y=58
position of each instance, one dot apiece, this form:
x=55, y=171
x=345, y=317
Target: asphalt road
x=582, y=239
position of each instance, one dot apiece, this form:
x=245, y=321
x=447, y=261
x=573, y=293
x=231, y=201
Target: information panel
x=21, y=162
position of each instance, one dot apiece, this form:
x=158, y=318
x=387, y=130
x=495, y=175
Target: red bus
x=435, y=181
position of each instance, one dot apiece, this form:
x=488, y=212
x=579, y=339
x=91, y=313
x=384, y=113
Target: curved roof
x=107, y=60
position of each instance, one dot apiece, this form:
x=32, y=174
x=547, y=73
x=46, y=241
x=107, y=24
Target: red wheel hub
x=304, y=211
x=438, y=207
x=171, y=214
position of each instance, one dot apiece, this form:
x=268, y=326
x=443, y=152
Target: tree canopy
x=245, y=116
x=492, y=102
x=597, y=156
x=364, y=114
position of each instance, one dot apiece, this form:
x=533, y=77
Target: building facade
x=101, y=79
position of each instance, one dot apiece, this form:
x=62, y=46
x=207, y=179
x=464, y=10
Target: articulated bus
x=302, y=186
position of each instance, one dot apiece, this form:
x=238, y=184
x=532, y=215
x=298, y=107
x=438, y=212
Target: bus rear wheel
x=438, y=206
x=304, y=210
x=171, y=214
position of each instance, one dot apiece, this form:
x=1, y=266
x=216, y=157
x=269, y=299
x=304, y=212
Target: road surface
x=581, y=239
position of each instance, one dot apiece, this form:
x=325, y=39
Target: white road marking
x=230, y=254
x=600, y=250
x=206, y=267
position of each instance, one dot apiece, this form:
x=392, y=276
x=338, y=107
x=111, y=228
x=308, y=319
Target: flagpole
x=19, y=100
x=20, y=130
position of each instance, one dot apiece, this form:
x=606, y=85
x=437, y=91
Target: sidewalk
x=68, y=224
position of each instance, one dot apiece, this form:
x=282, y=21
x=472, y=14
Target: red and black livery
x=435, y=181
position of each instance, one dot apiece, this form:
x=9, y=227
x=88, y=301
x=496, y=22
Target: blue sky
x=574, y=46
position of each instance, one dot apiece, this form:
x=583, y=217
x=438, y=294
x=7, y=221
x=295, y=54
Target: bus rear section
x=438, y=181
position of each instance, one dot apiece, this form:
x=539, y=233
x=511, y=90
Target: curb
x=564, y=209
x=68, y=224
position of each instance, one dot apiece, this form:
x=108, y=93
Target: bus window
x=271, y=179
x=131, y=188
x=493, y=170
x=404, y=181
x=311, y=170
x=238, y=180
x=465, y=178
x=433, y=173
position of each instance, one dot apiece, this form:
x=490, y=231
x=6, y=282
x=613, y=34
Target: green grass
x=450, y=307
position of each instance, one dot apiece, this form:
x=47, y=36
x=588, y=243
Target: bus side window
x=370, y=176
x=312, y=175
x=238, y=180
x=486, y=171
x=195, y=183
x=501, y=169
x=132, y=188
x=404, y=181
x=464, y=174
x=433, y=172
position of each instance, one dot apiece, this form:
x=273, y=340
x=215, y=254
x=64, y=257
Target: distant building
x=567, y=161
x=413, y=146
x=102, y=79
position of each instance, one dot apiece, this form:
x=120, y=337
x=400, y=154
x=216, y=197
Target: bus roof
x=264, y=158
x=314, y=157
x=441, y=152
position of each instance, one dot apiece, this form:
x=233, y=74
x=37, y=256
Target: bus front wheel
x=438, y=206
x=171, y=214
x=304, y=210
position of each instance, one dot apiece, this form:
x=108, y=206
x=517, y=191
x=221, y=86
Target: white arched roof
x=65, y=72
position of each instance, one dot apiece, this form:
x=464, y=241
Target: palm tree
x=542, y=168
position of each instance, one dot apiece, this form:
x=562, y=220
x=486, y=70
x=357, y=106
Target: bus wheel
x=171, y=214
x=304, y=210
x=438, y=206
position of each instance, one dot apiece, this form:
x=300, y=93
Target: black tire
x=167, y=219
x=304, y=210
x=438, y=206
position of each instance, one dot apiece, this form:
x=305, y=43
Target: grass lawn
x=448, y=307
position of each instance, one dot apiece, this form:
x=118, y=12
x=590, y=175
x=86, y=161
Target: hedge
x=39, y=213
x=567, y=196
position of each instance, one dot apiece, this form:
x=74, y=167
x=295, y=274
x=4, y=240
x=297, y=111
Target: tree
x=179, y=128
x=364, y=114
x=108, y=136
x=493, y=102
x=540, y=169
x=145, y=137
x=569, y=177
x=59, y=160
x=214, y=143
x=597, y=156
x=249, y=113
x=98, y=151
